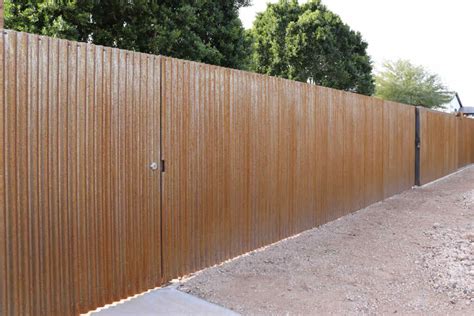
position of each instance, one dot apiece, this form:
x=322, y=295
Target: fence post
x=417, y=146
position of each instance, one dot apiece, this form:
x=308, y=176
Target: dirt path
x=410, y=254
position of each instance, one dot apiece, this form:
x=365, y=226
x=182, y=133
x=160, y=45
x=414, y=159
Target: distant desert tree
x=404, y=82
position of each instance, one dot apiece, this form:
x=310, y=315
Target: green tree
x=310, y=43
x=53, y=18
x=404, y=82
x=209, y=31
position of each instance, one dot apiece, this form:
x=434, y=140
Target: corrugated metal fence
x=447, y=143
x=466, y=142
x=248, y=160
x=253, y=159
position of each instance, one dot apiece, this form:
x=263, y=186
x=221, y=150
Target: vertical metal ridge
x=98, y=147
x=82, y=205
x=34, y=165
x=108, y=269
x=3, y=209
x=62, y=134
x=113, y=173
x=57, y=187
x=11, y=171
x=121, y=172
x=53, y=167
x=141, y=166
x=158, y=197
x=126, y=219
x=44, y=174
x=22, y=189
x=134, y=226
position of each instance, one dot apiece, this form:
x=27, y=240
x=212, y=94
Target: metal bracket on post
x=417, y=146
x=162, y=166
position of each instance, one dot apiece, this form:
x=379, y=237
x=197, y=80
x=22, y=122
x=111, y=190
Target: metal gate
x=80, y=126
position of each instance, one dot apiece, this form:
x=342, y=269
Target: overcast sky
x=437, y=34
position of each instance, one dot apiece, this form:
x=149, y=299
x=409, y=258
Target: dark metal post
x=459, y=99
x=417, y=146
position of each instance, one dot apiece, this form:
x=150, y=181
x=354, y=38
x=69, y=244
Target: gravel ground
x=410, y=254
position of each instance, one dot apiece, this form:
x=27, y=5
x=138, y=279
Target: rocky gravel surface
x=450, y=262
x=410, y=254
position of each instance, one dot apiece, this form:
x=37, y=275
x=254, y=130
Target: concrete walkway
x=165, y=301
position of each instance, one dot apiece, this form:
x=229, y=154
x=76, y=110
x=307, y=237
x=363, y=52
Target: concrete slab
x=165, y=301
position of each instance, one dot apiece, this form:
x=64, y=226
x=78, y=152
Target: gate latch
x=154, y=166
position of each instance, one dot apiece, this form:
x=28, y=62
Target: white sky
x=437, y=34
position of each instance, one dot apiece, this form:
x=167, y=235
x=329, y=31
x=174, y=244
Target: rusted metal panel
x=374, y=158
x=442, y=144
x=336, y=147
x=398, y=147
x=320, y=108
x=253, y=159
x=407, y=149
x=465, y=128
x=354, y=152
x=80, y=207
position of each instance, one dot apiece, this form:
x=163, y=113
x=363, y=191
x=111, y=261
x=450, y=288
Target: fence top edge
x=78, y=44
x=423, y=109
x=377, y=101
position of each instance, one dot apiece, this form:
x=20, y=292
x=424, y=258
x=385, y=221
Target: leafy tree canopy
x=404, y=82
x=209, y=31
x=310, y=43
